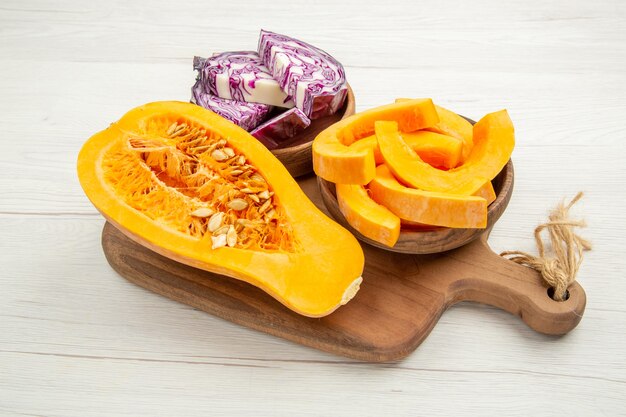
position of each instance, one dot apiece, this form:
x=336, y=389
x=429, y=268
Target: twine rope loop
x=558, y=271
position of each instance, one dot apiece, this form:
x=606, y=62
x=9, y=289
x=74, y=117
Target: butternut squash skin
x=368, y=217
x=430, y=208
x=334, y=161
x=321, y=274
x=494, y=139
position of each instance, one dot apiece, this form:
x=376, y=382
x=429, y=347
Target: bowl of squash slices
x=413, y=177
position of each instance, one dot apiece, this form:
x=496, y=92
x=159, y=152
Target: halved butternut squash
x=452, y=124
x=368, y=217
x=436, y=149
x=196, y=188
x=334, y=161
x=426, y=207
x=494, y=140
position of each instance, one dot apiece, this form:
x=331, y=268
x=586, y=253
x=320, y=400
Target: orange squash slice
x=436, y=149
x=494, y=140
x=452, y=124
x=487, y=192
x=432, y=208
x=334, y=161
x=368, y=217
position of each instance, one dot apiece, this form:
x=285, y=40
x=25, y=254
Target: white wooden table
x=78, y=340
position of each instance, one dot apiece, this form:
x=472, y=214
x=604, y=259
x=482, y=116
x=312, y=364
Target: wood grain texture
x=400, y=300
x=77, y=340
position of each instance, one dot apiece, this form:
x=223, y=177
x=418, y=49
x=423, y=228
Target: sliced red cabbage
x=246, y=115
x=311, y=77
x=282, y=127
x=241, y=76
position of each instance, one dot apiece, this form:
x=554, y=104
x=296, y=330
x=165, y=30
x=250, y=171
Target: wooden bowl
x=297, y=156
x=436, y=239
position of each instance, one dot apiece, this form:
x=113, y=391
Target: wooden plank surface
x=77, y=340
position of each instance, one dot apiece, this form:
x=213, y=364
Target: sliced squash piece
x=487, y=192
x=436, y=149
x=368, y=217
x=452, y=124
x=494, y=140
x=341, y=165
x=334, y=161
x=368, y=144
x=426, y=207
x=196, y=188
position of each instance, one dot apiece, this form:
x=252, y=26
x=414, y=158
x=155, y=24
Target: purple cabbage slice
x=241, y=76
x=246, y=115
x=311, y=77
x=280, y=128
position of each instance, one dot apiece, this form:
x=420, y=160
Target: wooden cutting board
x=400, y=301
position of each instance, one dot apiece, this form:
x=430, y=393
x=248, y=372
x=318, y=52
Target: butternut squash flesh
x=452, y=124
x=368, y=217
x=431, y=208
x=487, y=192
x=434, y=148
x=196, y=188
x=334, y=161
x=494, y=140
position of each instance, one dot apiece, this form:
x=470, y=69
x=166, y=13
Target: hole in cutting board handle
x=551, y=295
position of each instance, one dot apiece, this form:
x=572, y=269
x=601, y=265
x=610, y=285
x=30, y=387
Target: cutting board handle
x=491, y=279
